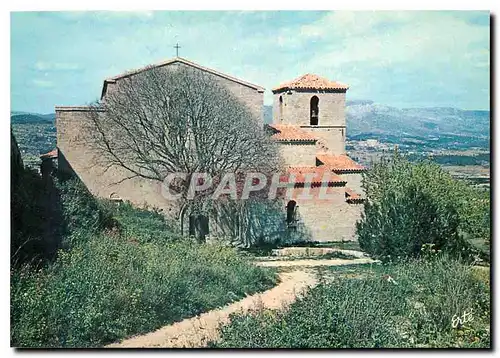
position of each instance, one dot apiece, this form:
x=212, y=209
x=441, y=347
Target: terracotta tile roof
x=316, y=173
x=50, y=155
x=180, y=60
x=339, y=163
x=286, y=133
x=352, y=197
x=310, y=81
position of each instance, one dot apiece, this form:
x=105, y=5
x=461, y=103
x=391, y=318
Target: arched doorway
x=314, y=110
x=198, y=226
x=280, y=109
x=291, y=217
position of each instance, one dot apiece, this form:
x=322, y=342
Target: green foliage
x=411, y=204
x=27, y=216
x=82, y=214
x=475, y=217
x=142, y=224
x=111, y=287
x=406, y=305
x=121, y=271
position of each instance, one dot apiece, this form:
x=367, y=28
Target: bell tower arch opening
x=314, y=111
x=280, y=109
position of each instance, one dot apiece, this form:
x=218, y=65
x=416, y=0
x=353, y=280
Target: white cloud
x=105, y=15
x=43, y=83
x=56, y=66
x=390, y=38
x=110, y=15
x=351, y=23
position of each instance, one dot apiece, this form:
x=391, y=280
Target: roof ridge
x=186, y=62
x=311, y=81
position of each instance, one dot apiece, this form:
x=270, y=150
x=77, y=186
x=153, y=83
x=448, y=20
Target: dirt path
x=199, y=330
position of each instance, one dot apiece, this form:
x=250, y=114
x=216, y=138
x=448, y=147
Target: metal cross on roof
x=177, y=47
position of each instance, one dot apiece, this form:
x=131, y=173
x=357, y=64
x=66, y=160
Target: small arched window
x=314, y=110
x=280, y=110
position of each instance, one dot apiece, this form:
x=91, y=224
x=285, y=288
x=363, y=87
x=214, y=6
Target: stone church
x=308, y=124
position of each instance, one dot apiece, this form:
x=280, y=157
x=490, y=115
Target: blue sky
x=402, y=59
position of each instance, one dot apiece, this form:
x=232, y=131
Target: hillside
x=25, y=118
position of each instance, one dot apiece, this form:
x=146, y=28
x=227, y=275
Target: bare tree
x=178, y=120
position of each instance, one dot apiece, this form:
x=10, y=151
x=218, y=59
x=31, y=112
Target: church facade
x=308, y=124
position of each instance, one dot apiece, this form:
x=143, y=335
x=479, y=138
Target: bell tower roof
x=310, y=81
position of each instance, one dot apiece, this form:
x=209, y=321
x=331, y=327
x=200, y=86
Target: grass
x=111, y=288
x=366, y=310
x=122, y=272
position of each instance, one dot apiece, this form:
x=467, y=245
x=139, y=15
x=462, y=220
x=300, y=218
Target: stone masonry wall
x=354, y=181
x=76, y=157
x=330, y=139
x=330, y=220
x=331, y=128
x=296, y=155
x=323, y=220
x=296, y=108
x=251, y=98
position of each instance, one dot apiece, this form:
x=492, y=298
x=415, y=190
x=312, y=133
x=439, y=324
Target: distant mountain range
x=366, y=119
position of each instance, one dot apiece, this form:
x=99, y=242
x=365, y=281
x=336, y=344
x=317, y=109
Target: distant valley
x=35, y=134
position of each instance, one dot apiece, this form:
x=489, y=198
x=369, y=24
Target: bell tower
x=316, y=105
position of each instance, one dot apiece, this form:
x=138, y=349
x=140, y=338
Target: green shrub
x=28, y=215
x=142, y=224
x=406, y=305
x=475, y=214
x=411, y=204
x=111, y=287
x=82, y=214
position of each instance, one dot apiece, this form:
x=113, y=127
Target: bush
x=411, y=204
x=82, y=214
x=142, y=224
x=109, y=288
x=28, y=215
x=397, y=306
